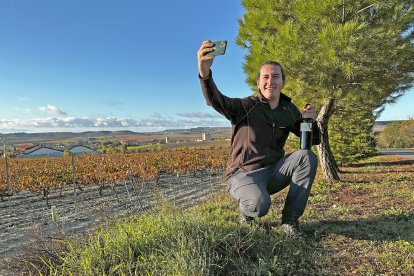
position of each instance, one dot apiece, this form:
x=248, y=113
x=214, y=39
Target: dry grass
x=360, y=226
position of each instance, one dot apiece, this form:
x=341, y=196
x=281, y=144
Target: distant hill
x=197, y=130
x=48, y=137
x=23, y=137
x=380, y=125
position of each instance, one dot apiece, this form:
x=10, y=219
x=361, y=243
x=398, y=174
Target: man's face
x=270, y=82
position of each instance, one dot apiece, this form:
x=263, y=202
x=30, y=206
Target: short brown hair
x=271, y=62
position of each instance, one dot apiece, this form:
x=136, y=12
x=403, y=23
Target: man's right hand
x=205, y=62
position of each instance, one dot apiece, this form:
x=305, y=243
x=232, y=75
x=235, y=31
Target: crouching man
x=257, y=165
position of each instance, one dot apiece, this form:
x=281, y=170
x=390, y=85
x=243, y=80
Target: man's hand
x=205, y=62
x=309, y=112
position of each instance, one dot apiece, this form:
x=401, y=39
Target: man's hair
x=271, y=62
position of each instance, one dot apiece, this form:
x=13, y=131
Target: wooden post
x=6, y=166
x=74, y=182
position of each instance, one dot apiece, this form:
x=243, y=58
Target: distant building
x=206, y=137
x=166, y=140
x=93, y=141
x=41, y=151
x=23, y=148
x=80, y=149
x=131, y=142
x=47, y=151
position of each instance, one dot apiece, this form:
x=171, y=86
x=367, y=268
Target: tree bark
x=327, y=160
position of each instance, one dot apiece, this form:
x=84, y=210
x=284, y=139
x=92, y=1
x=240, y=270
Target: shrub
x=398, y=135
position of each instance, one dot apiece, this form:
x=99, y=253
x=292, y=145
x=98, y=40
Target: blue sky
x=105, y=65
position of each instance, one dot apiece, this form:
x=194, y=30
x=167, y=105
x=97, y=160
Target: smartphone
x=219, y=48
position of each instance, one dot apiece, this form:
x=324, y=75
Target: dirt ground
x=25, y=216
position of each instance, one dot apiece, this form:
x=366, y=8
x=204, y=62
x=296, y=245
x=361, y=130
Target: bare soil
x=25, y=216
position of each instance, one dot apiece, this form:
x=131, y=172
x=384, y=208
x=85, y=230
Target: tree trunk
x=327, y=160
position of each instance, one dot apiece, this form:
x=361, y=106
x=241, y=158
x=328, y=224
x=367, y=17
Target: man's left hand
x=309, y=112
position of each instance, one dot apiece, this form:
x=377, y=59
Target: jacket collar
x=282, y=100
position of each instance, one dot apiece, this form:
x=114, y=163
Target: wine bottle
x=306, y=134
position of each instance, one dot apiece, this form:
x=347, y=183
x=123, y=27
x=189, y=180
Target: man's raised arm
x=205, y=62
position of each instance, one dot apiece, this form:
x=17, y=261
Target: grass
x=168, y=241
x=363, y=225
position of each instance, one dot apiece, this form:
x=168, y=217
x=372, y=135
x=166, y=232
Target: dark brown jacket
x=258, y=138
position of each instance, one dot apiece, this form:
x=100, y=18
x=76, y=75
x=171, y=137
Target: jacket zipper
x=271, y=139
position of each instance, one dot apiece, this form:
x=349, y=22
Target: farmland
x=26, y=216
x=361, y=225
x=45, y=174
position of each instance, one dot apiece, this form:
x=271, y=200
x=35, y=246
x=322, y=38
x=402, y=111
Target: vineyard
x=106, y=186
x=45, y=174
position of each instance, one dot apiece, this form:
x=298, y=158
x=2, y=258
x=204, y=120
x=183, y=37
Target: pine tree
x=353, y=140
x=337, y=54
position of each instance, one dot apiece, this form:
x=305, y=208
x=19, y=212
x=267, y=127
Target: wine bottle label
x=306, y=126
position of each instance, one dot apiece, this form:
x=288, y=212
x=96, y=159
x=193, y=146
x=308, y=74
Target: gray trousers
x=252, y=190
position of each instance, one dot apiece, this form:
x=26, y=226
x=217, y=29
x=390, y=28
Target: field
x=69, y=138
x=360, y=226
x=26, y=218
x=215, y=144
x=48, y=173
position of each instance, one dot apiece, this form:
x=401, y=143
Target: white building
x=41, y=151
x=79, y=149
x=206, y=137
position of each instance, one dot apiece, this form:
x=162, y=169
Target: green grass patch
x=360, y=226
x=206, y=241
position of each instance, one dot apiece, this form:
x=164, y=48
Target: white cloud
x=52, y=109
x=22, y=99
x=107, y=122
x=157, y=115
x=199, y=115
x=22, y=110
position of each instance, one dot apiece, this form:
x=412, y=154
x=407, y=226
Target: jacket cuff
x=210, y=75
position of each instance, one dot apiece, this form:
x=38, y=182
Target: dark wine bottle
x=306, y=134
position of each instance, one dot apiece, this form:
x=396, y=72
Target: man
x=257, y=165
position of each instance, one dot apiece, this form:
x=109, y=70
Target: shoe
x=292, y=229
x=245, y=219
